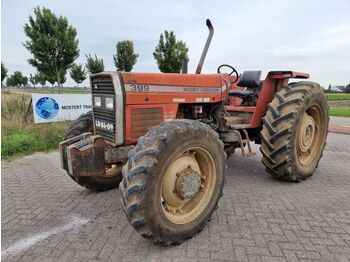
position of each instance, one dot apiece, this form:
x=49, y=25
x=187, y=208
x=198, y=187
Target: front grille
x=103, y=86
x=144, y=118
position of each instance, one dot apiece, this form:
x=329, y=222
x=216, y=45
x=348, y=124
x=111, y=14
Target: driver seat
x=250, y=80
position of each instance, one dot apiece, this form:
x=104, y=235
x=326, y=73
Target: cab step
x=246, y=141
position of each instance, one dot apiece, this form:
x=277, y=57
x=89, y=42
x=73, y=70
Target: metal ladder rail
x=246, y=140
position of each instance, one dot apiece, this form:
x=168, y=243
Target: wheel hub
x=174, y=181
x=188, y=183
x=310, y=135
x=307, y=133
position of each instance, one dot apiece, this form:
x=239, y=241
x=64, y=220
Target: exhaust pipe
x=206, y=47
x=184, y=66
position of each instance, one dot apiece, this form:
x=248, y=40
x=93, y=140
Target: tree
x=17, y=79
x=329, y=87
x=94, y=65
x=40, y=78
x=341, y=88
x=78, y=73
x=51, y=81
x=125, y=57
x=3, y=72
x=52, y=42
x=63, y=79
x=33, y=80
x=347, y=89
x=169, y=53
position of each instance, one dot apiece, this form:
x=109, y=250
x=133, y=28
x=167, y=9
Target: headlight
x=97, y=101
x=109, y=103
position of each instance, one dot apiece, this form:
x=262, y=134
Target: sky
x=308, y=36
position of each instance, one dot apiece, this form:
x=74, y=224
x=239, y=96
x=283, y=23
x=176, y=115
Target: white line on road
x=24, y=244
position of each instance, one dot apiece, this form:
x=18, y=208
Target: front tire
x=96, y=183
x=173, y=180
x=294, y=131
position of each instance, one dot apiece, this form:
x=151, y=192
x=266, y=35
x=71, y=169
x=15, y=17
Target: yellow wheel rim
x=188, y=185
x=310, y=135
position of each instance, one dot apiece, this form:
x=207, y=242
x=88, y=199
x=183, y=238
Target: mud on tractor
x=164, y=138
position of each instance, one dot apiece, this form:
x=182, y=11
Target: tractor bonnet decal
x=152, y=88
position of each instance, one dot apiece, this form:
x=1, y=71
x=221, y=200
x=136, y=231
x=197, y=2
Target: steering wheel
x=233, y=71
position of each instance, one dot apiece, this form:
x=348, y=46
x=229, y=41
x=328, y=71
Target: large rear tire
x=96, y=183
x=173, y=180
x=294, y=131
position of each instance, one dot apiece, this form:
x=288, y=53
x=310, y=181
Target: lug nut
x=202, y=186
x=204, y=177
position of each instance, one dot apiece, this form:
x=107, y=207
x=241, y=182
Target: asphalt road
x=47, y=217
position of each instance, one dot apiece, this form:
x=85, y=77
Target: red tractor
x=165, y=138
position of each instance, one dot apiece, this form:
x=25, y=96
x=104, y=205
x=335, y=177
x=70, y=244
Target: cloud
x=309, y=36
x=331, y=41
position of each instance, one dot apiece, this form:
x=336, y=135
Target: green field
x=339, y=104
x=339, y=111
x=337, y=96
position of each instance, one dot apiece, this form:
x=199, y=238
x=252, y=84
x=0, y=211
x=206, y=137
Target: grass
x=19, y=137
x=339, y=104
x=339, y=111
x=337, y=96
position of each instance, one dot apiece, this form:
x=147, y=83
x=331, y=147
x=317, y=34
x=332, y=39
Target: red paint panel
x=288, y=74
x=265, y=97
x=274, y=82
x=209, y=80
x=169, y=113
x=168, y=98
x=235, y=100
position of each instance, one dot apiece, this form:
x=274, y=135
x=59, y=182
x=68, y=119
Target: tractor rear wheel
x=97, y=183
x=173, y=180
x=294, y=131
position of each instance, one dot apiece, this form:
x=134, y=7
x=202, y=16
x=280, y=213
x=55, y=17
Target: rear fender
x=274, y=82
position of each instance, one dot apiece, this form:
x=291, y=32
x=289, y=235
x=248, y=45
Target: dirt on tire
x=82, y=125
x=280, y=130
x=144, y=171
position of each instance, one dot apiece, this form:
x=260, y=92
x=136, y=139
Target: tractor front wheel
x=173, y=180
x=113, y=175
x=294, y=131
